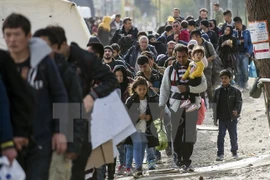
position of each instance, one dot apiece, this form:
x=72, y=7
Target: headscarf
x=124, y=84
x=229, y=36
x=105, y=24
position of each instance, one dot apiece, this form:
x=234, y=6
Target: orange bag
x=201, y=113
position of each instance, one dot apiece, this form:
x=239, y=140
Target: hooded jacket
x=104, y=31
x=44, y=77
x=21, y=96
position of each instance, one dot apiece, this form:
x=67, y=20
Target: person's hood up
x=123, y=70
x=39, y=49
x=215, y=22
x=105, y=24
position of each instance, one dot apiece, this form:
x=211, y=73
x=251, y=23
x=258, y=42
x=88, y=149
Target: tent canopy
x=42, y=13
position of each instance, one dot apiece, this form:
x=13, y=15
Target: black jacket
x=74, y=91
x=104, y=36
x=160, y=47
x=21, y=96
x=234, y=101
x=151, y=132
x=121, y=32
x=91, y=68
x=213, y=37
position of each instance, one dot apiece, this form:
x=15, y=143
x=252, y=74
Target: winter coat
x=91, y=68
x=121, y=32
x=151, y=131
x=21, y=96
x=6, y=135
x=234, y=101
x=132, y=54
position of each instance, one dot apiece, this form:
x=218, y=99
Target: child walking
x=125, y=150
x=146, y=134
x=227, y=109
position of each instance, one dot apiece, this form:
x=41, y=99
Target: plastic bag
x=162, y=136
x=7, y=172
x=201, y=113
x=252, y=70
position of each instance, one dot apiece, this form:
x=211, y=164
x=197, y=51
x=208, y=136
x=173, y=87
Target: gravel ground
x=253, y=139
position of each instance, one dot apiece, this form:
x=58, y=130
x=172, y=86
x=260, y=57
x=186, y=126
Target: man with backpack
x=172, y=92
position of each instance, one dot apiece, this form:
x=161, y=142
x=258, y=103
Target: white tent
x=42, y=13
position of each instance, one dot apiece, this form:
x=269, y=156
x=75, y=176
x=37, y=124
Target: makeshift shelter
x=42, y=13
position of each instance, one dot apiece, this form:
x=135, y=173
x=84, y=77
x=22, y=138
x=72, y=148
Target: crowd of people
x=174, y=69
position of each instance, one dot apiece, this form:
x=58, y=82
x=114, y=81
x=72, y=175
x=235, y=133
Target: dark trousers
x=184, y=136
x=79, y=164
x=231, y=126
x=110, y=170
x=36, y=159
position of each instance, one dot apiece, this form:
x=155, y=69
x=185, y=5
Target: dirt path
x=253, y=138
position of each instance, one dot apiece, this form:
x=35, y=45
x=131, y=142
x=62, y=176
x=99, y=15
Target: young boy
x=227, y=109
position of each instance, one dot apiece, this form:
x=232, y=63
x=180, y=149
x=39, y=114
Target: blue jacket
x=247, y=40
x=6, y=134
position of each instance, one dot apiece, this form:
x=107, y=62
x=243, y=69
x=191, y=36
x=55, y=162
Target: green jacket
x=218, y=16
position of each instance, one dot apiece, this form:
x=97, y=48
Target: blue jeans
x=241, y=76
x=129, y=155
x=158, y=154
x=150, y=154
x=223, y=125
x=139, y=144
x=122, y=155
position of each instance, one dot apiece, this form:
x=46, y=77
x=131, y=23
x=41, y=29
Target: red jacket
x=184, y=35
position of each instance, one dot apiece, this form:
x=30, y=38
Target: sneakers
x=188, y=168
x=220, y=158
x=120, y=170
x=185, y=104
x=129, y=172
x=138, y=173
x=235, y=156
x=191, y=108
x=151, y=165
